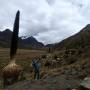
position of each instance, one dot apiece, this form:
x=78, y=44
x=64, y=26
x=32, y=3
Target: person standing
x=36, y=66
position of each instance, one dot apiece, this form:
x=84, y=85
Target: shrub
x=71, y=60
x=55, y=56
x=44, y=56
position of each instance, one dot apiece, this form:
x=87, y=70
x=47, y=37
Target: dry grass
x=23, y=57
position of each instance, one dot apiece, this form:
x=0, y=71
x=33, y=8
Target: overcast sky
x=49, y=21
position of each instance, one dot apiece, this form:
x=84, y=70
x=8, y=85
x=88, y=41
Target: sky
x=49, y=21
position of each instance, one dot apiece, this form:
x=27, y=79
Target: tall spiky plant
x=14, y=40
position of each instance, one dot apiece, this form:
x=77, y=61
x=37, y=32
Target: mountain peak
x=7, y=30
x=88, y=25
x=27, y=37
x=86, y=28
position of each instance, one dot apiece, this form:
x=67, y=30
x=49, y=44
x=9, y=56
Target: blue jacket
x=36, y=65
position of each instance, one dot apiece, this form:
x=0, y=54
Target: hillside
x=5, y=38
x=80, y=40
x=32, y=42
x=29, y=43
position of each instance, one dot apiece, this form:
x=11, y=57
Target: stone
x=85, y=84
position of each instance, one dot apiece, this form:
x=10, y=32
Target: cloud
x=49, y=21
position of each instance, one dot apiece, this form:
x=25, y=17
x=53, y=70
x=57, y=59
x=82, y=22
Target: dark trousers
x=37, y=75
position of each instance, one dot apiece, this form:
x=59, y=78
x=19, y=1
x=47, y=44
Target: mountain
x=31, y=42
x=49, y=45
x=28, y=42
x=5, y=38
x=79, y=40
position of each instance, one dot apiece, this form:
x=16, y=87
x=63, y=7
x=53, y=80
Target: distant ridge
x=28, y=42
x=79, y=40
x=5, y=38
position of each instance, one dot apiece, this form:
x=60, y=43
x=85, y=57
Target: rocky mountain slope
x=30, y=42
x=79, y=40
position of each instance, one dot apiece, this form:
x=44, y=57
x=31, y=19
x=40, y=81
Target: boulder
x=85, y=84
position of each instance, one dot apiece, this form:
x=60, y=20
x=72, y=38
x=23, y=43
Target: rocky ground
x=67, y=80
x=50, y=83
